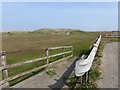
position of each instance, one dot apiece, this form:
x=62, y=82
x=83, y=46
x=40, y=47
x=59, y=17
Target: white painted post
x=47, y=55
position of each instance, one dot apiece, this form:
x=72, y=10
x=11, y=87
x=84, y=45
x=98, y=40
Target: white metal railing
x=83, y=66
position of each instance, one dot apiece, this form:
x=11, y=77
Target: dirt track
x=109, y=67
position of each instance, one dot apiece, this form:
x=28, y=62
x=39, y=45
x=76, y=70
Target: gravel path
x=109, y=67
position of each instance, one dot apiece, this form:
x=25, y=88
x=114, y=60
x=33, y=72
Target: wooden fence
x=4, y=82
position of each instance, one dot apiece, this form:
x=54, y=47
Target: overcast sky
x=88, y=16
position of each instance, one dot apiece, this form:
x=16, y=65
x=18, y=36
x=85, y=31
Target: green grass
x=23, y=40
x=71, y=82
x=52, y=59
x=91, y=85
x=114, y=39
x=24, y=56
x=33, y=41
x=94, y=74
x=17, y=70
x=51, y=71
x=56, y=51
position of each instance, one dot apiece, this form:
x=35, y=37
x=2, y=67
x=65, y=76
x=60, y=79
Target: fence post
x=72, y=50
x=47, y=55
x=63, y=49
x=80, y=79
x=4, y=71
x=86, y=78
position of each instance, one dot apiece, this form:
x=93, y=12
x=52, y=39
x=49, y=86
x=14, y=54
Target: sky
x=88, y=16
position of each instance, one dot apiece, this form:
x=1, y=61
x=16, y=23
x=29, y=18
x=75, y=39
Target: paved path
x=109, y=67
x=63, y=69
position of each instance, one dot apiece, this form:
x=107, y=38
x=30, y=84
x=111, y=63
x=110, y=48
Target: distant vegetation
x=46, y=31
x=56, y=31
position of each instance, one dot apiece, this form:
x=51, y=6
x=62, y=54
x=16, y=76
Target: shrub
x=51, y=72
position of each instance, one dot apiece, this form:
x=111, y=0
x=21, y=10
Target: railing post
x=63, y=50
x=86, y=76
x=4, y=71
x=81, y=79
x=47, y=55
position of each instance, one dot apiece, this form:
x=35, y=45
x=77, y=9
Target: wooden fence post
x=4, y=71
x=72, y=50
x=63, y=50
x=47, y=55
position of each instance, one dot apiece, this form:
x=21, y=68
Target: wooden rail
x=112, y=36
x=4, y=67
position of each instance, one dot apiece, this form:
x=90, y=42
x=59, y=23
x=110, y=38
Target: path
x=63, y=69
x=109, y=67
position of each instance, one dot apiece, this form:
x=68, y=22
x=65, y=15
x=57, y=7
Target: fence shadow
x=61, y=82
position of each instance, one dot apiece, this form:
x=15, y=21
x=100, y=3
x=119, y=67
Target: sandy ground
x=109, y=67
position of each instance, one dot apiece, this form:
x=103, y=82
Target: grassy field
x=24, y=40
x=81, y=41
